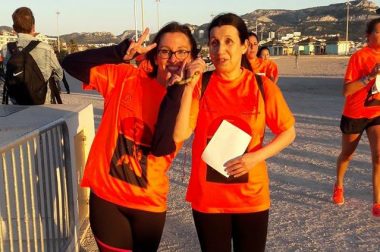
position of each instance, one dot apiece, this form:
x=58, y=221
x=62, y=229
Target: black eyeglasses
x=166, y=54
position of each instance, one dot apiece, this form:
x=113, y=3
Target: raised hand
x=189, y=73
x=138, y=47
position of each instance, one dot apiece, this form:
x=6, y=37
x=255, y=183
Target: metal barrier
x=36, y=192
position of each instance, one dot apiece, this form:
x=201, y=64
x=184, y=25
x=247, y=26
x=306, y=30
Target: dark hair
x=250, y=34
x=239, y=24
x=371, y=25
x=262, y=49
x=23, y=20
x=169, y=28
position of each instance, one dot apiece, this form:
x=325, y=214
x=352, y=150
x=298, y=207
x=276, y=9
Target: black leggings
x=248, y=231
x=116, y=227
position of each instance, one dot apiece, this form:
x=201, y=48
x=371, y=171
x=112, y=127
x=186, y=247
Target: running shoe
x=376, y=210
x=338, y=197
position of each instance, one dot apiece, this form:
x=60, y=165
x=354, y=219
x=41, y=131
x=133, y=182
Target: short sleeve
x=352, y=72
x=103, y=78
x=278, y=116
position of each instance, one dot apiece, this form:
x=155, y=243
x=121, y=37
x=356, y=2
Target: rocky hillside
x=316, y=21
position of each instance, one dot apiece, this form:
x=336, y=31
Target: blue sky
x=118, y=15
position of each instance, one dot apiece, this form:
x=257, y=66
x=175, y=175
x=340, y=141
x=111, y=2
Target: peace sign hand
x=137, y=47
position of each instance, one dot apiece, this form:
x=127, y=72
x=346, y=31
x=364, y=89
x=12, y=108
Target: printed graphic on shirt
x=212, y=175
x=129, y=160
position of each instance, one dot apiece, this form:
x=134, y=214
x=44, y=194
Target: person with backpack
x=233, y=207
x=29, y=64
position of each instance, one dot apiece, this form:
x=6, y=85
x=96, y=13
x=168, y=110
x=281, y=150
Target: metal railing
x=36, y=192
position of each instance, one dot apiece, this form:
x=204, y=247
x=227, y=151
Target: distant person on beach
x=361, y=112
x=296, y=53
x=42, y=53
x=128, y=184
x=235, y=207
x=271, y=67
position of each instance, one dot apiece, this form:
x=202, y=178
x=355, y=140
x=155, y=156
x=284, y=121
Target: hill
x=316, y=21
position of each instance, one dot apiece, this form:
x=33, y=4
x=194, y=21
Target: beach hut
x=338, y=46
x=310, y=46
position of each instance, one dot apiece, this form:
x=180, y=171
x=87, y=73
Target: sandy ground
x=302, y=217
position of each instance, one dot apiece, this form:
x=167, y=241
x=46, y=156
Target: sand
x=302, y=216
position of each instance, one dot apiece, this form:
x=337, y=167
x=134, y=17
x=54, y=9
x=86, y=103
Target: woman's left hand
x=189, y=73
x=241, y=165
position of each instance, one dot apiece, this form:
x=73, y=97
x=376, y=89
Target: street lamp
x=142, y=16
x=58, y=44
x=158, y=15
x=135, y=17
x=348, y=18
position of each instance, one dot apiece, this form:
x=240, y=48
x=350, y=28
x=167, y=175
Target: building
x=338, y=46
x=311, y=46
x=6, y=37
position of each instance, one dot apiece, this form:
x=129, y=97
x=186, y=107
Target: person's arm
x=167, y=131
x=182, y=130
x=352, y=87
x=243, y=164
x=57, y=72
x=280, y=120
x=79, y=64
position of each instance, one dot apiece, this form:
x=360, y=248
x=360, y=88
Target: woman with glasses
x=128, y=184
x=234, y=206
x=361, y=113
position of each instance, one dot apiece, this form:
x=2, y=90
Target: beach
x=302, y=215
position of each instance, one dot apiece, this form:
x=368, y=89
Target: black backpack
x=24, y=81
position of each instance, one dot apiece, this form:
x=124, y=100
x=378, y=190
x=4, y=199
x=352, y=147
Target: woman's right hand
x=138, y=47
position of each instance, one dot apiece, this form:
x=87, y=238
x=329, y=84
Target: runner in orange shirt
x=271, y=69
x=129, y=184
x=361, y=112
x=234, y=207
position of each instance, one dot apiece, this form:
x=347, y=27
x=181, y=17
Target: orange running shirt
x=361, y=64
x=240, y=102
x=257, y=66
x=264, y=68
x=119, y=168
x=271, y=69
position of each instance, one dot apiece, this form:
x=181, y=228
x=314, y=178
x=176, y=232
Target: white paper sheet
x=227, y=143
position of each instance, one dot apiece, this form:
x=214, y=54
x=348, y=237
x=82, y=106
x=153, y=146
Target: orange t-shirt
x=258, y=66
x=239, y=102
x=119, y=168
x=271, y=69
x=264, y=68
x=361, y=64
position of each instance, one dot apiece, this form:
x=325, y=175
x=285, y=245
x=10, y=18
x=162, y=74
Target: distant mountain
x=316, y=21
x=90, y=38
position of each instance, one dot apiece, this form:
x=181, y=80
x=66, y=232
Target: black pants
x=124, y=228
x=247, y=230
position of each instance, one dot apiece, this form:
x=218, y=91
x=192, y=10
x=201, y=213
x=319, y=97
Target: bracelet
x=365, y=80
